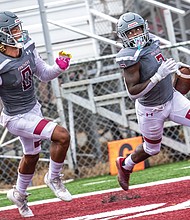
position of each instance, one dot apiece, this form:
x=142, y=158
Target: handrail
x=108, y=41
x=79, y=31
x=164, y=6
x=102, y=15
x=47, y=5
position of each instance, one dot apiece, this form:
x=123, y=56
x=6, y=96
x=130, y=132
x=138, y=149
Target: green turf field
x=161, y=172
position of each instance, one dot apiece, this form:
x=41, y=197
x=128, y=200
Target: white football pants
x=31, y=128
x=151, y=120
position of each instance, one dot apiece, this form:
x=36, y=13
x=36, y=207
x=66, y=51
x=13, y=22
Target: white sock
x=54, y=169
x=129, y=164
x=23, y=181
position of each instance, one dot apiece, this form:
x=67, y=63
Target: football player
x=147, y=76
x=21, y=114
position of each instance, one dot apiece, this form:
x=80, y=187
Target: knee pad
x=151, y=149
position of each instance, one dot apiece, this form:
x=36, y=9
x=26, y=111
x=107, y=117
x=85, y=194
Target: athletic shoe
x=123, y=175
x=58, y=188
x=20, y=201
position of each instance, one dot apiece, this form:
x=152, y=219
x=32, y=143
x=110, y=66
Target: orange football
x=182, y=82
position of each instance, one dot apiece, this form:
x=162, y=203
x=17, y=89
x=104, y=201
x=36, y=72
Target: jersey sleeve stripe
x=30, y=42
x=4, y=63
x=134, y=57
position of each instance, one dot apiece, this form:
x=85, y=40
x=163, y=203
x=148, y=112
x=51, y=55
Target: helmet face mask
x=8, y=22
x=138, y=41
x=129, y=21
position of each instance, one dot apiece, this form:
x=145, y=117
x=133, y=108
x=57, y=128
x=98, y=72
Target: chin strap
x=2, y=48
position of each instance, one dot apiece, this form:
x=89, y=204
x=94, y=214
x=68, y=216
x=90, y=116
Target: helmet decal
x=17, y=21
x=132, y=24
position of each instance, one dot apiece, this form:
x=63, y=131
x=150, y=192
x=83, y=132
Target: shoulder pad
x=128, y=57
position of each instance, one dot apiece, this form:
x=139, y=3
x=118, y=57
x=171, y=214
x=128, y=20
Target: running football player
x=21, y=114
x=147, y=76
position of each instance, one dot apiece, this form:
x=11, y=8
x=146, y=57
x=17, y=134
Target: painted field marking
x=102, y=191
x=183, y=168
x=180, y=206
x=146, y=209
x=117, y=213
x=98, y=182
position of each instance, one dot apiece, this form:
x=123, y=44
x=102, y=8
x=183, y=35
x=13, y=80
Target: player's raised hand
x=63, y=61
x=166, y=68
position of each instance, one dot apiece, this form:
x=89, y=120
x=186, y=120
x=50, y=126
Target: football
x=182, y=82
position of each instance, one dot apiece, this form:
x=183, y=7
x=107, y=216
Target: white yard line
x=103, y=191
x=183, y=168
x=97, y=182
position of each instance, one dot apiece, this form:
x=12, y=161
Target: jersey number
x=159, y=57
x=26, y=78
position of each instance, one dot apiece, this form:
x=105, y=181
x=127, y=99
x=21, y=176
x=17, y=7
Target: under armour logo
x=28, y=52
x=149, y=114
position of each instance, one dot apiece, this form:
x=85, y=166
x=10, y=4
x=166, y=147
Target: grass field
x=161, y=172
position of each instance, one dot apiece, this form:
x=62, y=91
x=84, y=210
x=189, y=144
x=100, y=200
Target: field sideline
x=122, y=208
x=101, y=183
x=103, y=191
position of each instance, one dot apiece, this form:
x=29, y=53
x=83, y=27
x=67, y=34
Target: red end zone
x=169, y=201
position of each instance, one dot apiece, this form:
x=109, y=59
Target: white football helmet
x=9, y=20
x=129, y=21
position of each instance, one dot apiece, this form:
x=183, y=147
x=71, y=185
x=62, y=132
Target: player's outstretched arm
x=46, y=72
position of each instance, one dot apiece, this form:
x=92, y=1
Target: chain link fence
x=92, y=129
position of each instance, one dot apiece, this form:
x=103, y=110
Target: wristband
x=156, y=78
